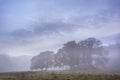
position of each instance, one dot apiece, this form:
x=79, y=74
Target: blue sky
x=28, y=27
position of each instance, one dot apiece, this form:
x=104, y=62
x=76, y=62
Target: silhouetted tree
x=59, y=59
x=92, y=53
x=43, y=61
x=88, y=53
x=68, y=55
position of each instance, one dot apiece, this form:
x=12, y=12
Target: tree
x=88, y=53
x=68, y=55
x=92, y=53
x=59, y=59
x=43, y=61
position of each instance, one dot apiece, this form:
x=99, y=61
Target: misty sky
x=28, y=27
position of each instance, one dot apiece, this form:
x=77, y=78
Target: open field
x=58, y=76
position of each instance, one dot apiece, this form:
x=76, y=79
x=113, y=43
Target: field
x=58, y=76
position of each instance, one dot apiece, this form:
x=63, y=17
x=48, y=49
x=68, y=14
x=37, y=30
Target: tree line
x=86, y=54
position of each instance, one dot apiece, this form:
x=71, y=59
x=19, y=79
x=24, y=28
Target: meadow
x=58, y=76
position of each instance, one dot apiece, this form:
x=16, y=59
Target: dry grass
x=58, y=76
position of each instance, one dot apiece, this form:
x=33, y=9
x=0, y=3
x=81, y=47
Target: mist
x=31, y=27
x=23, y=63
x=14, y=64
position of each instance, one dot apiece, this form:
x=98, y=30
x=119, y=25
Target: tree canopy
x=88, y=53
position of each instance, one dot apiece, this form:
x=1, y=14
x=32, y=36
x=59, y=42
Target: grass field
x=58, y=76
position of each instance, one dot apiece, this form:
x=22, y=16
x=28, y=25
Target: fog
x=31, y=27
x=14, y=64
x=23, y=63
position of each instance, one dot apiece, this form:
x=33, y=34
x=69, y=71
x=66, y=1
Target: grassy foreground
x=58, y=76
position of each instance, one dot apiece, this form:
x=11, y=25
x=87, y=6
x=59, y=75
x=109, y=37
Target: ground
x=58, y=76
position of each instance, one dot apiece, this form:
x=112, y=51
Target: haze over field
x=28, y=27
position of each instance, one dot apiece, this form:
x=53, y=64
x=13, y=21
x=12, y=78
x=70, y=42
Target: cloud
x=51, y=36
x=115, y=5
x=16, y=14
x=29, y=27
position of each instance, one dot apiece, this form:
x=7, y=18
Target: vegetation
x=58, y=76
x=45, y=60
x=86, y=54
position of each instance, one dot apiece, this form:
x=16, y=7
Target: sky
x=28, y=27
